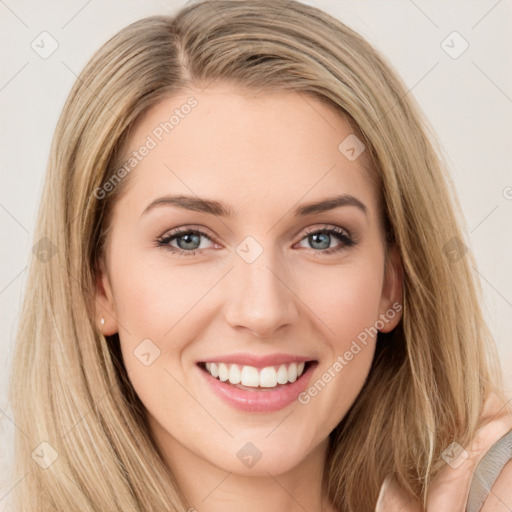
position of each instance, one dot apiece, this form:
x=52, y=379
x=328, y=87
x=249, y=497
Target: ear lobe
x=105, y=305
x=392, y=291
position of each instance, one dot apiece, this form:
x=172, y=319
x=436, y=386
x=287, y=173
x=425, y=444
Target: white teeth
x=250, y=377
x=223, y=372
x=282, y=375
x=268, y=377
x=234, y=374
x=292, y=372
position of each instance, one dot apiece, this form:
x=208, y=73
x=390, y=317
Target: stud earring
x=102, y=321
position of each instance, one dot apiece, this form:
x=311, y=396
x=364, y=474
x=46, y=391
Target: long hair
x=69, y=388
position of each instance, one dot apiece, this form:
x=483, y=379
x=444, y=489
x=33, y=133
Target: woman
x=321, y=347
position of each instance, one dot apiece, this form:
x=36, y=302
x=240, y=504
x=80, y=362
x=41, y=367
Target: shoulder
x=495, y=468
x=500, y=496
x=459, y=480
x=482, y=472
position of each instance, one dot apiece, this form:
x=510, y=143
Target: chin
x=260, y=455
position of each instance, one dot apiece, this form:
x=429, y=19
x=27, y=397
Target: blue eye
x=189, y=240
x=321, y=239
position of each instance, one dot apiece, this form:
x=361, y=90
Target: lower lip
x=261, y=399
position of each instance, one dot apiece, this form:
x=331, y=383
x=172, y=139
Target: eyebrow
x=219, y=209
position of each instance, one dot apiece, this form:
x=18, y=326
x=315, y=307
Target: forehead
x=249, y=150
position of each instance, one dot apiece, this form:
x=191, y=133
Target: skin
x=263, y=156
x=450, y=489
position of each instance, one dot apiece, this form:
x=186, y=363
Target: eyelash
x=341, y=234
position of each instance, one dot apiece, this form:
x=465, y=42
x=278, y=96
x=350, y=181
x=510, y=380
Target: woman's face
x=251, y=287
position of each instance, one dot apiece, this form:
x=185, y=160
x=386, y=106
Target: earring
x=102, y=321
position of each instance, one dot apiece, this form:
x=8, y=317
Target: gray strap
x=487, y=472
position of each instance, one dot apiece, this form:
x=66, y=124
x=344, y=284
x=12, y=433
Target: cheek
x=161, y=300
x=155, y=306
x=152, y=298
x=346, y=299
x=174, y=304
x=348, y=305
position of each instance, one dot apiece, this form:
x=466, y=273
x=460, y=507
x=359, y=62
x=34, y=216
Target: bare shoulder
x=500, y=496
x=450, y=489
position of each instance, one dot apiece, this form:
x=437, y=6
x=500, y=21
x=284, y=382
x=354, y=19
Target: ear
x=105, y=305
x=391, y=304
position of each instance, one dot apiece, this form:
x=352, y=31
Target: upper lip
x=258, y=361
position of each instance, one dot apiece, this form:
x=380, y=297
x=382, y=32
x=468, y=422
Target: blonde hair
x=69, y=387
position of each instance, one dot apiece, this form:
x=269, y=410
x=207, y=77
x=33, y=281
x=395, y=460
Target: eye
x=187, y=240
x=321, y=239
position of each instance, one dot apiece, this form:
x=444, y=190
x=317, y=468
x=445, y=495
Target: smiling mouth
x=251, y=378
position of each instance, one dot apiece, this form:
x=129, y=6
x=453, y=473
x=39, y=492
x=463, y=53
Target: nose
x=260, y=297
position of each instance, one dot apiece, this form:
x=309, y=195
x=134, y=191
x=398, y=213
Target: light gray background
x=468, y=100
